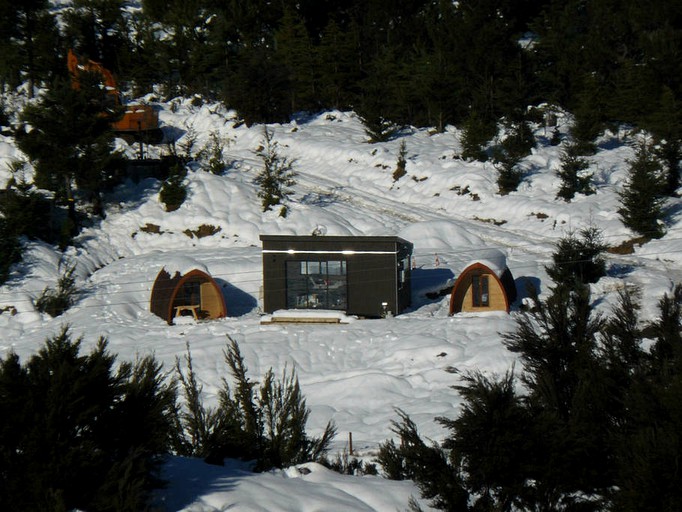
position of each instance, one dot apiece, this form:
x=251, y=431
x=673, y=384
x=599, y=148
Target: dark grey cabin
x=367, y=276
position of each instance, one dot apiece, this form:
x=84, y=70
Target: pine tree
x=201, y=431
x=180, y=54
x=212, y=154
x=589, y=118
x=621, y=340
x=641, y=199
x=578, y=260
x=79, y=431
x=509, y=153
x=436, y=79
x=492, y=440
x=339, y=50
x=71, y=142
x=379, y=106
x=54, y=302
x=666, y=125
x=295, y=50
x=29, y=39
x=277, y=174
x=571, y=173
x=476, y=133
x=27, y=211
x=401, y=164
x=174, y=191
x=377, y=127
x=10, y=249
x=100, y=31
x=265, y=422
x=570, y=396
x=649, y=444
x=596, y=425
x=258, y=87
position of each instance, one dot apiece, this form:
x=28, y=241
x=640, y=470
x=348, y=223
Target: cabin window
x=479, y=291
x=316, y=285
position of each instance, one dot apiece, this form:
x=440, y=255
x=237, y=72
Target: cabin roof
x=494, y=259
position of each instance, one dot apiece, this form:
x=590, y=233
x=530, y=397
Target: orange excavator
x=140, y=123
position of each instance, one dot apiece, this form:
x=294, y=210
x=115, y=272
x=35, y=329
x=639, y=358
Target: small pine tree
x=589, y=115
x=578, y=260
x=377, y=127
x=187, y=146
x=509, y=176
x=55, y=302
x=28, y=212
x=670, y=153
x=200, y=429
x=476, y=133
x=509, y=153
x=215, y=162
x=400, y=168
x=641, y=199
x=174, y=191
x=277, y=174
x=573, y=178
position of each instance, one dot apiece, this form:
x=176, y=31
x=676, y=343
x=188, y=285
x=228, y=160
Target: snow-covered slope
x=356, y=374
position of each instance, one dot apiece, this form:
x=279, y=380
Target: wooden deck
x=304, y=317
x=299, y=320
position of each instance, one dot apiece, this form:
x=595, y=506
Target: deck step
x=301, y=320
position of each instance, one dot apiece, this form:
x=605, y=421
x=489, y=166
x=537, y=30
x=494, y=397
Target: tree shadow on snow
x=187, y=480
x=131, y=194
x=672, y=214
x=320, y=199
x=620, y=270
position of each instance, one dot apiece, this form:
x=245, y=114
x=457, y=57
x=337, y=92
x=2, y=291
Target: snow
x=356, y=372
x=494, y=259
x=174, y=264
x=308, y=314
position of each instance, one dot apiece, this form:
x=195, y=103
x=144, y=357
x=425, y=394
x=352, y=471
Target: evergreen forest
x=406, y=62
x=485, y=67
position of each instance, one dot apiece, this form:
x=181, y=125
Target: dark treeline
x=475, y=64
x=417, y=62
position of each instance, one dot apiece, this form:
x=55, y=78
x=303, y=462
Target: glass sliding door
x=316, y=285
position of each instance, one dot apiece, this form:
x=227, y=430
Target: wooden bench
x=194, y=309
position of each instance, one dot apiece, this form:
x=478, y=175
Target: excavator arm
x=140, y=123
